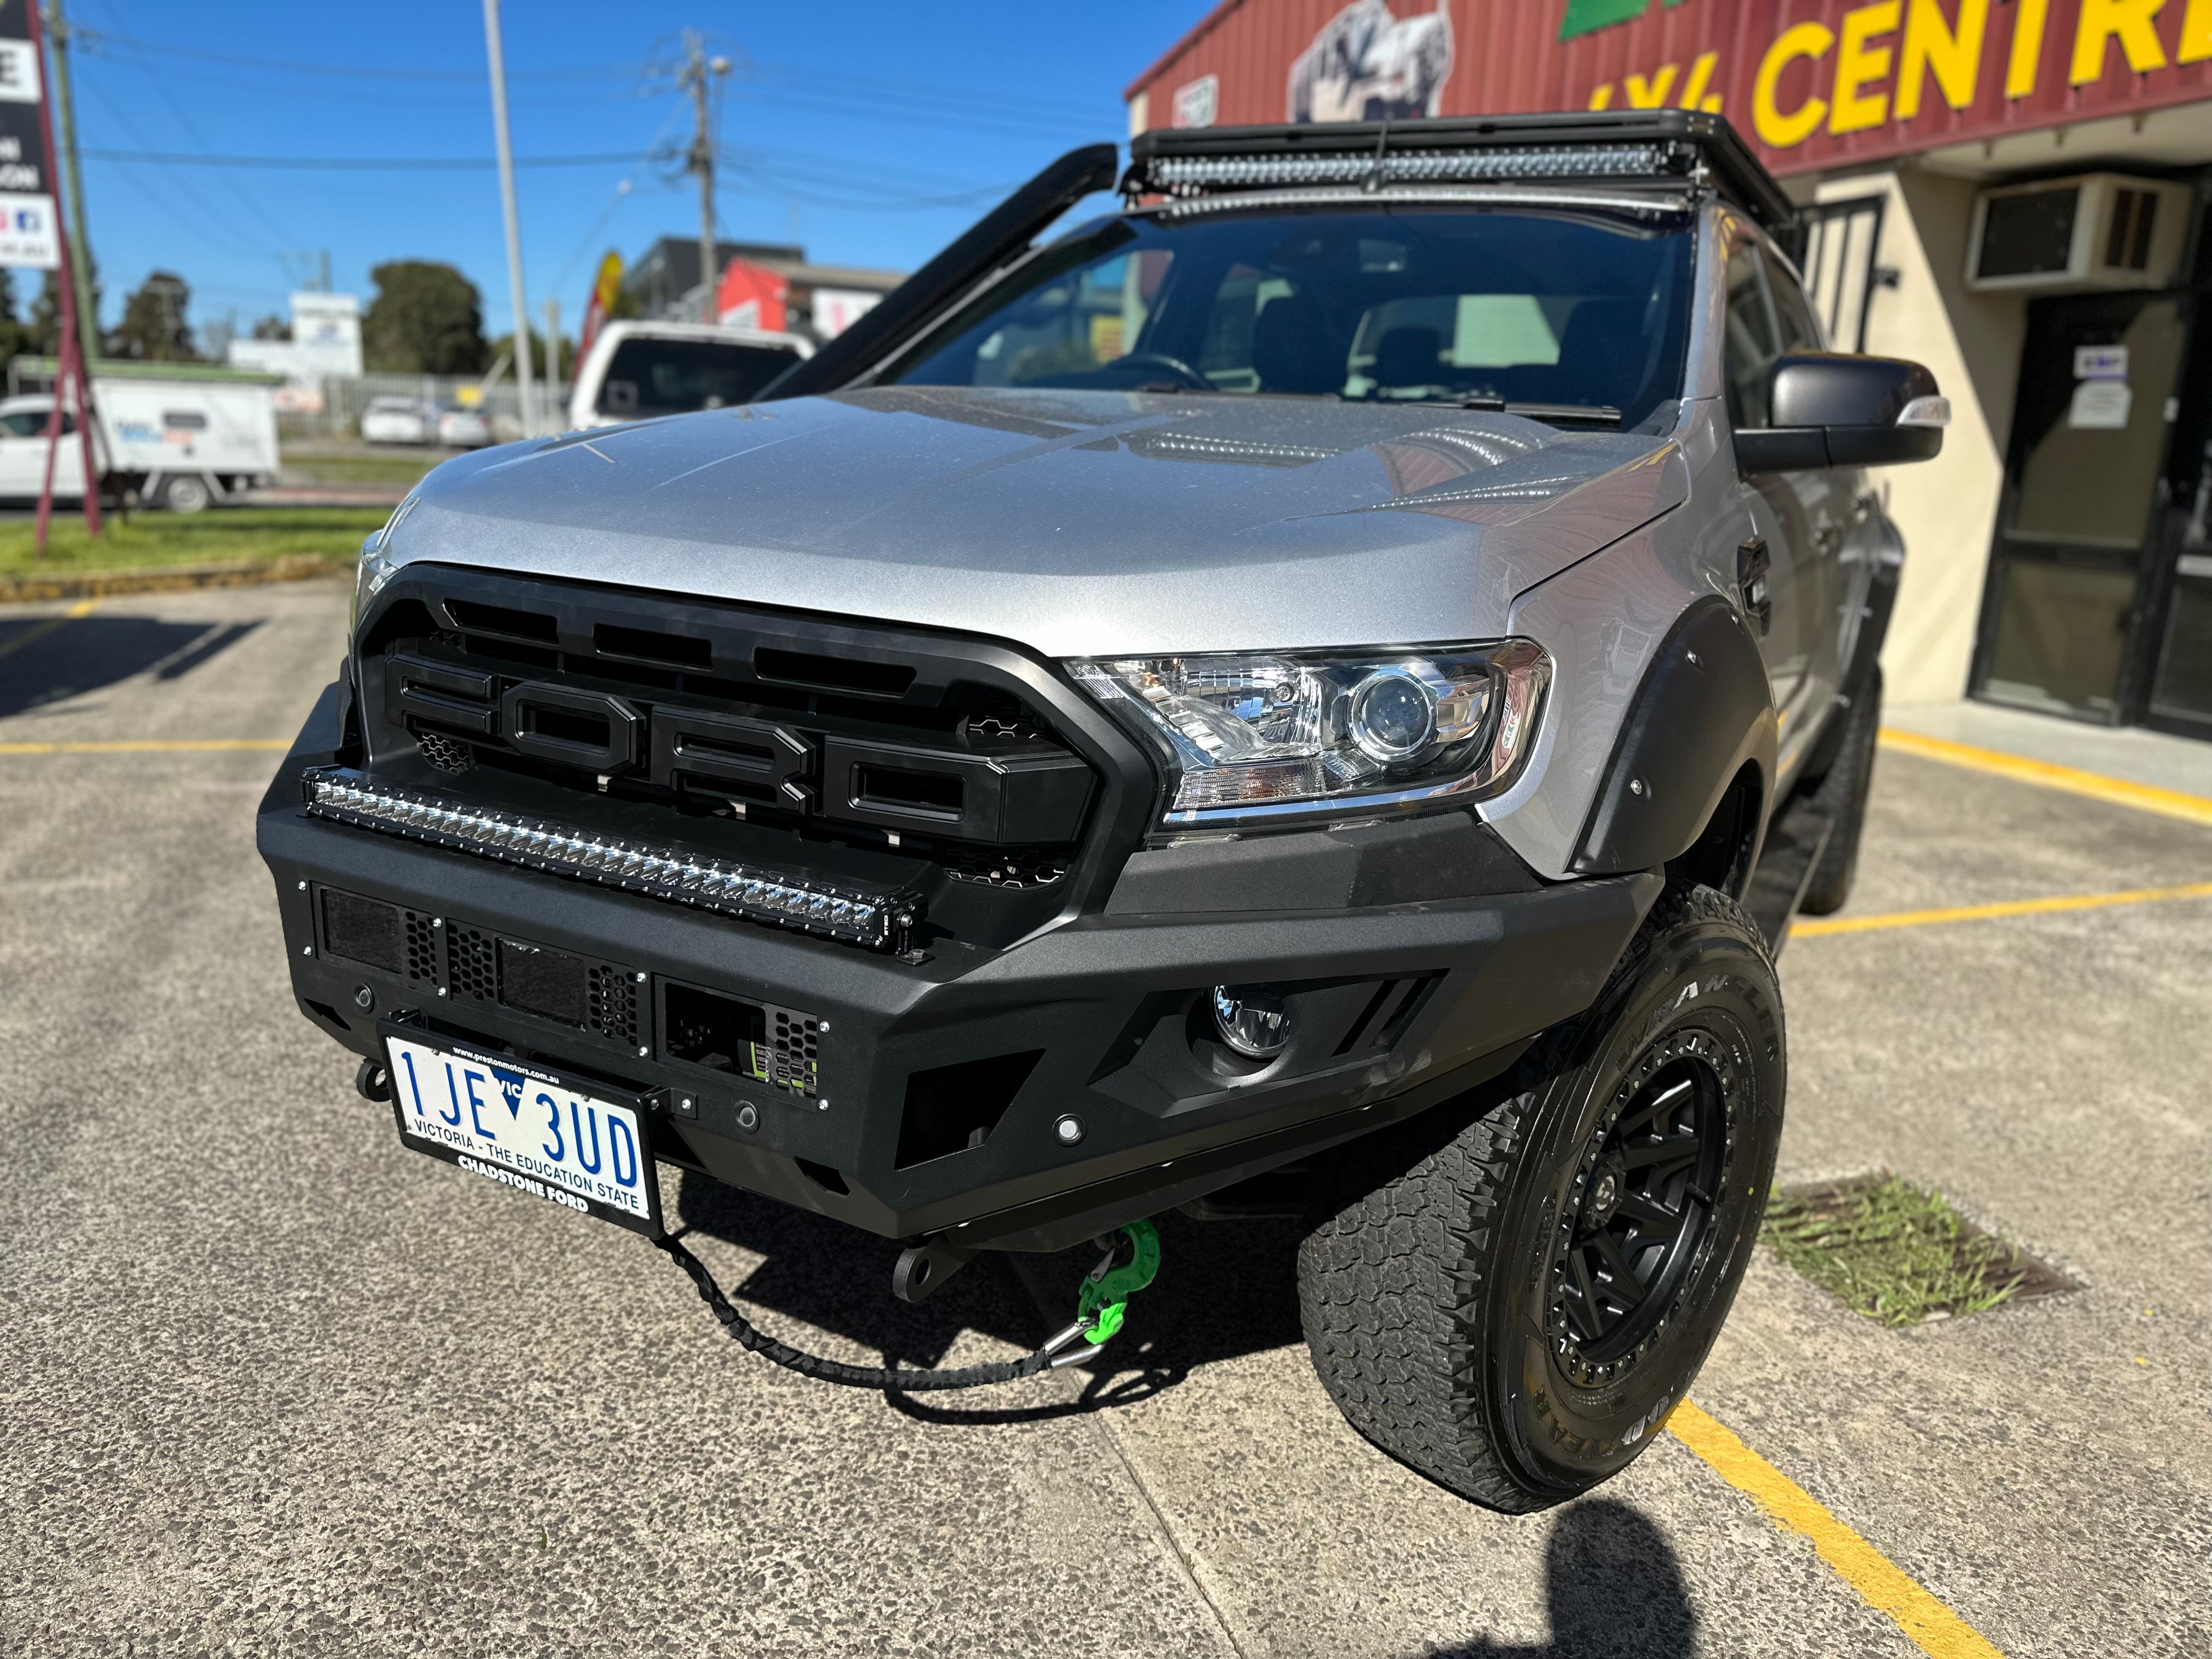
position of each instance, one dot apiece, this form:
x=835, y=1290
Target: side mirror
x=1833, y=410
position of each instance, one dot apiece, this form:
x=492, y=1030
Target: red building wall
x=1812, y=83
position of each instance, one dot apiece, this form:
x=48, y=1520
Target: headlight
x=1292, y=734
x=377, y=565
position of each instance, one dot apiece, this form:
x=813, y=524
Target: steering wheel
x=1175, y=366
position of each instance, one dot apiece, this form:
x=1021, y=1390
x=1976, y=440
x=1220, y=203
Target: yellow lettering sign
x=1858, y=65
x=1774, y=129
x=1932, y=47
x=1701, y=76
x=1652, y=93
x=2196, y=43
x=1601, y=96
x=2130, y=21
x=2028, y=18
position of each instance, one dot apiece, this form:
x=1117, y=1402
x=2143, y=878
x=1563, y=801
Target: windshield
x=1561, y=318
x=669, y=377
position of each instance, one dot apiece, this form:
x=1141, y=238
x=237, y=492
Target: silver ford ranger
x=1321, y=688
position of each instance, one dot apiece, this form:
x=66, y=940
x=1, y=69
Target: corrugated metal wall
x=1813, y=83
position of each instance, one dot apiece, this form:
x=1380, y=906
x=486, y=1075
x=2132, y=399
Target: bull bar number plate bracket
x=584, y=1146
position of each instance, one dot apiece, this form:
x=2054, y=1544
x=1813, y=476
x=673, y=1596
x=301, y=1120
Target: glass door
x=2181, y=686
x=2063, y=617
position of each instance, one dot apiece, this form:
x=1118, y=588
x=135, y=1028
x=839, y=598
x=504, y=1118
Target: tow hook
x=922, y=1267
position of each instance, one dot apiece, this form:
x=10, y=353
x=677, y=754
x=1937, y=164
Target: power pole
x=87, y=320
x=522, y=375
x=553, y=364
x=698, y=67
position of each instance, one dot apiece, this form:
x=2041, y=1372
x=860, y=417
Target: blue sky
x=871, y=132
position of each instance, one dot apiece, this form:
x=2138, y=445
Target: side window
x=1801, y=331
x=1754, y=340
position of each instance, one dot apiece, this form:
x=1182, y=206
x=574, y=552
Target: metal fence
x=344, y=398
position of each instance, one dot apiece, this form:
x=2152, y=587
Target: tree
x=271, y=328
x=506, y=343
x=153, y=329
x=46, y=313
x=14, y=333
x=427, y=318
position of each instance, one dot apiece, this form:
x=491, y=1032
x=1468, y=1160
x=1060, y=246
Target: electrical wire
x=355, y=163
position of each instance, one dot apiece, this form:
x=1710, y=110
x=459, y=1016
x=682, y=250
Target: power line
x=357, y=163
x=109, y=39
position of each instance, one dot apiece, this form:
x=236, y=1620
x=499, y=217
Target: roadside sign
x=30, y=233
x=604, y=286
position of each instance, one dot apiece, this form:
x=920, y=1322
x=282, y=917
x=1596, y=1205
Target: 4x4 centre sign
x=1816, y=84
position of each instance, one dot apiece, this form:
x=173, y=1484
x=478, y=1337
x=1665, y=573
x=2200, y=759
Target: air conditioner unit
x=2092, y=230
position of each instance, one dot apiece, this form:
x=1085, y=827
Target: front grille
x=818, y=737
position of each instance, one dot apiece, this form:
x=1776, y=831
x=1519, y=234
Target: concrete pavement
x=274, y=1384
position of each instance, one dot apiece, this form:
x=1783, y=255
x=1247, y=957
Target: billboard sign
x=30, y=230
x=1813, y=84
x=750, y=296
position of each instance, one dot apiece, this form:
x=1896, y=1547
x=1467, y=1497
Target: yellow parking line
x=144, y=746
x=2169, y=803
x=2034, y=907
x=1927, y=1623
x=38, y=631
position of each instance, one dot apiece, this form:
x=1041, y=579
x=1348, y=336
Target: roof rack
x=1622, y=147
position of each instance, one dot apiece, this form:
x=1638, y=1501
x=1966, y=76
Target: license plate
x=525, y=1127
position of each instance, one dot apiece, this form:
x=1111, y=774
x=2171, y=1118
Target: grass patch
x=163, y=539
x=1896, y=1252
x=305, y=466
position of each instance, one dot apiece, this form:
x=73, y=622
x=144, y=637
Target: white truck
x=177, y=437
x=637, y=370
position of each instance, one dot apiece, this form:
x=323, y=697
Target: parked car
x=463, y=428
x=1318, y=692
x=637, y=370
x=179, y=441
x=398, y=421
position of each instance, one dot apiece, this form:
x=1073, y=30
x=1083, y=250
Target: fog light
x=1251, y=1019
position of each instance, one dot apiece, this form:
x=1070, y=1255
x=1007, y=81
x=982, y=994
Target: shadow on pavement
x=1224, y=1289
x=1615, y=1588
x=87, y=652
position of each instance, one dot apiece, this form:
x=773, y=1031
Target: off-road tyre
x=1433, y=1281
x=1843, y=795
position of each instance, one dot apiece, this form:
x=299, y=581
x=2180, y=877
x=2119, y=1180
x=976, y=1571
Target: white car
x=463, y=428
x=637, y=370
x=398, y=421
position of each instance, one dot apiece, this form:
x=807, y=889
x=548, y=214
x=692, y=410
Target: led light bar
x=1193, y=175
x=878, y=922
x=1632, y=148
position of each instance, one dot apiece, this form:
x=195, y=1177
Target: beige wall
x=1946, y=507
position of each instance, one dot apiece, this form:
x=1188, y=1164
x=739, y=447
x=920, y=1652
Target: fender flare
x=1704, y=710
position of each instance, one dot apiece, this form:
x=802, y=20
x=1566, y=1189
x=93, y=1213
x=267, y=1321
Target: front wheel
x=1510, y=1299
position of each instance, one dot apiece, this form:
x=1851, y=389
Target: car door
x=23, y=456
x=1779, y=562
x=1844, y=539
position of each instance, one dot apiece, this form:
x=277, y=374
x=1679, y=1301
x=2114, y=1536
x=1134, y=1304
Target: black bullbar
x=1024, y=1097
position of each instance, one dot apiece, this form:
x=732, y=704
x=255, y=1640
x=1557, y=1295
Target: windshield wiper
x=1597, y=414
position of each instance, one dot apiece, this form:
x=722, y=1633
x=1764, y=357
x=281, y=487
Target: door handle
x=1751, y=573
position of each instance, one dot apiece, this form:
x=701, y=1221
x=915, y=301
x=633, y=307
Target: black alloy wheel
x=1511, y=1292
x=1641, y=1216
